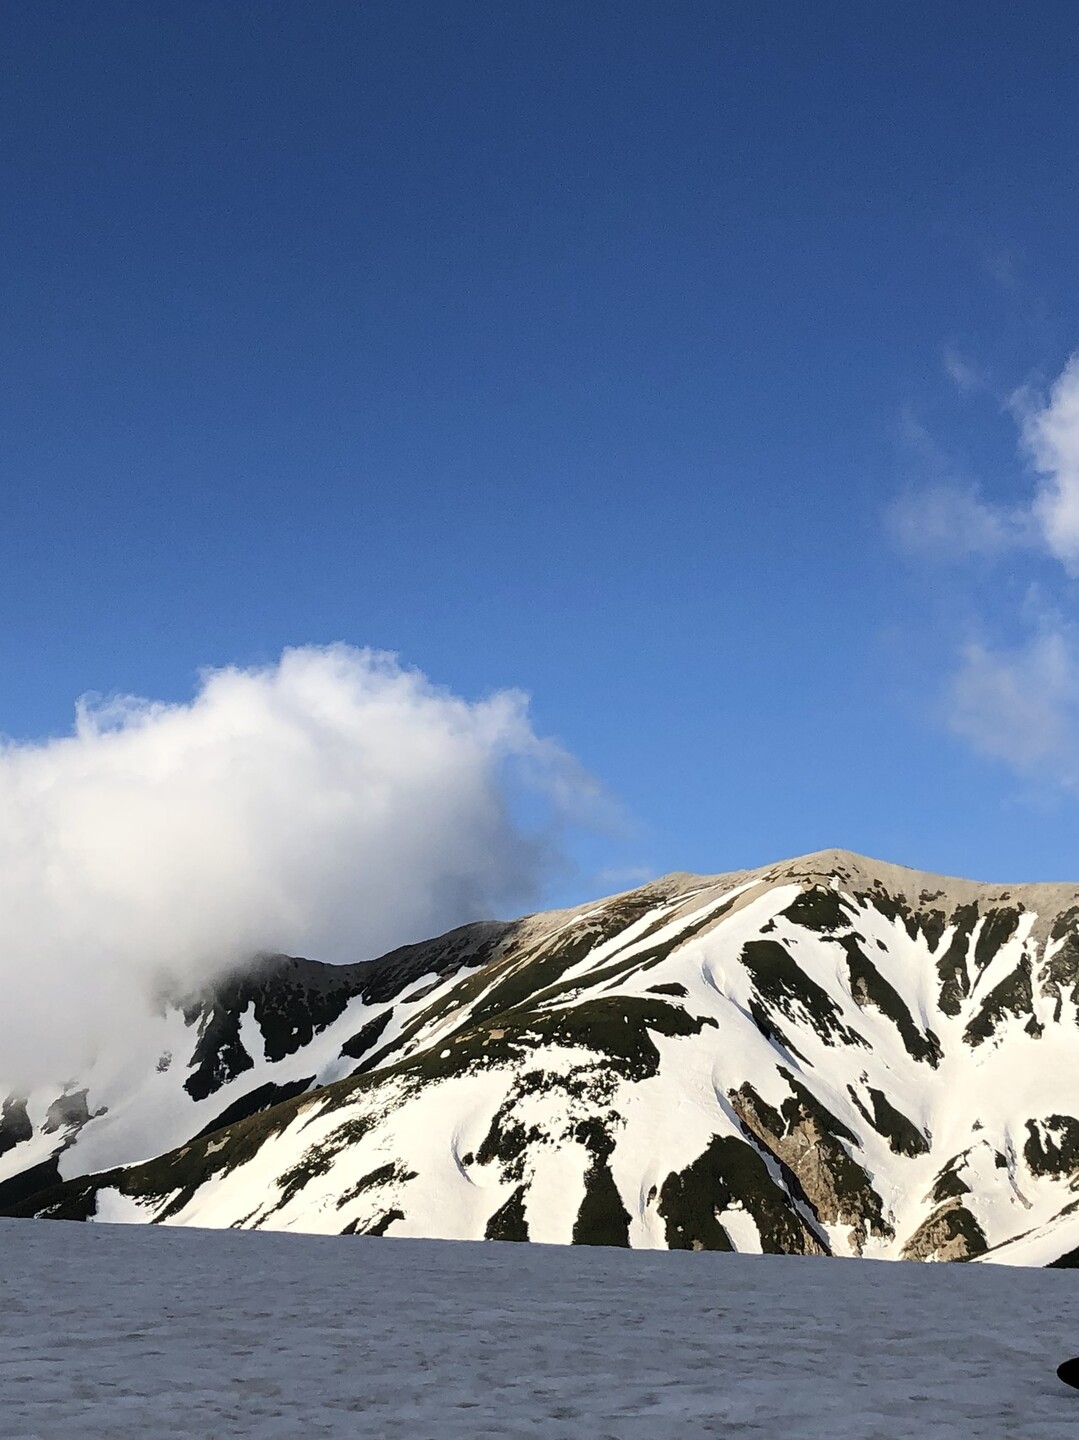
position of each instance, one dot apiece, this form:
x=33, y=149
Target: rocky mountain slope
x=829, y=1056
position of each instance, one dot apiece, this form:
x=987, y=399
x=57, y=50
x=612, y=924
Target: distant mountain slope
x=826, y=1056
x=282, y=1027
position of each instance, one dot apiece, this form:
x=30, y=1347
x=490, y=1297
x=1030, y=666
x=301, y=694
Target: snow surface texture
x=111, y=1333
x=830, y=1055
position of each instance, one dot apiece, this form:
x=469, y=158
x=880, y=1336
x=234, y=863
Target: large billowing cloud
x=333, y=804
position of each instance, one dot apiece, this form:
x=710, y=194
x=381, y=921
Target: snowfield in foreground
x=118, y=1331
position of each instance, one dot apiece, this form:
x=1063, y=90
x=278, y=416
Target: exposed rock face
x=15, y=1126
x=804, y=1137
x=950, y=1233
x=728, y=1176
x=827, y=1056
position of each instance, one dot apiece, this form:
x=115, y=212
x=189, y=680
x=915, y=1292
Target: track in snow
x=115, y=1331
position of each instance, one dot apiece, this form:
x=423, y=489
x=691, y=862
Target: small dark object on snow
x=1069, y=1372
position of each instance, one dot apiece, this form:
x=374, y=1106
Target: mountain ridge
x=825, y=1055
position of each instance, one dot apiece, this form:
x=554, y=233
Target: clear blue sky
x=582, y=348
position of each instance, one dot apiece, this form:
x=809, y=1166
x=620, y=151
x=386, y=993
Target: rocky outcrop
x=950, y=1233
x=808, y=1141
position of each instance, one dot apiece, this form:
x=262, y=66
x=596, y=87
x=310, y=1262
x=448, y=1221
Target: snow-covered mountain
x=826, y=1056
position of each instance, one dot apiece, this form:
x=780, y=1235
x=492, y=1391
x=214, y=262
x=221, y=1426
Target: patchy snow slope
x=287, y=1026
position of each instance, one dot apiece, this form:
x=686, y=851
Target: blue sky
x=660, y=360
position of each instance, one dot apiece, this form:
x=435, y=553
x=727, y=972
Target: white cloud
x=1022, y=706
x=964, y=376
x=953, y=522
x=333, y=804
x=1051, y=434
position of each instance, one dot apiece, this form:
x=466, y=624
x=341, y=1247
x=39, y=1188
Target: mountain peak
x=828, y=1055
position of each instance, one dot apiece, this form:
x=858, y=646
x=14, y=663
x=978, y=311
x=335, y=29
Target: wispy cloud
x=1022, y=705
x=333, y=804
x=951, y=519
x=1051, y=436
x=964, y=375
x=999, y=263
x=1018, y=703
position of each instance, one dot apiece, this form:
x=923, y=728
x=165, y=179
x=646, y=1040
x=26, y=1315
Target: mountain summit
x=827, y=1056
